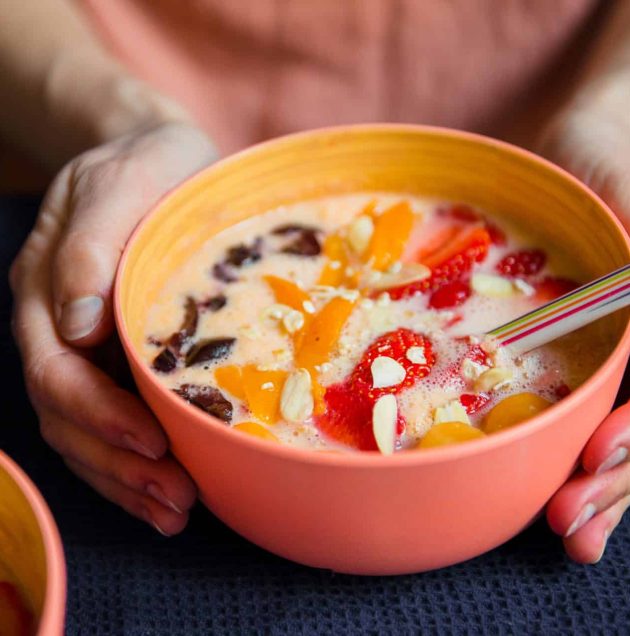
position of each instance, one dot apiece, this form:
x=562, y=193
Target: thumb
x=108, y=197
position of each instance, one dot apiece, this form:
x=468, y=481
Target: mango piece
x=319, y=393
x=335, y=250
x=264, y=403
x=448, y=433
x=230, y=378
x=321, y=335
x=513, y=410
x=257, y=430
x=391, y=233
x=287, y=292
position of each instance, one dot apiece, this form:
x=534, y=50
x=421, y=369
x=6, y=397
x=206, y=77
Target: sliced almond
x=293, y=321
x=276, y=311
x=296, y=399
x=471, y=370
x=523, y=287
x=360, y=233
x=452, y=411
x=385, y=423
x=416, y=355
x=492, y=286
x=407, y=274
x=386, y=372
x=493, y=379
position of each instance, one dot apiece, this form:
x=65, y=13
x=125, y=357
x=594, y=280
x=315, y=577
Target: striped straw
x=567, y=313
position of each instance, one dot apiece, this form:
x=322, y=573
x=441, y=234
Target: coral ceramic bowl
x=365, y=513
x=31, y=556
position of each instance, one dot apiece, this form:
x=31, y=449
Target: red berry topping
x=497, y=236
x=450, y=295
x=449, y=262
x=460, y=212
x=395, y=345
x=552, y=287
x=522, y=263
x=473, y=402
x=478, y=355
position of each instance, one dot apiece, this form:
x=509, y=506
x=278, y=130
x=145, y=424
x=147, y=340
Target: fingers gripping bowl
x=363, y=512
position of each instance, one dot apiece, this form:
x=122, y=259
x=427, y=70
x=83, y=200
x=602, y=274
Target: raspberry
x=522, y=263
x=450, y=295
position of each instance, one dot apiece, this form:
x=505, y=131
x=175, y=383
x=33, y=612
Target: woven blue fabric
x=125, y=579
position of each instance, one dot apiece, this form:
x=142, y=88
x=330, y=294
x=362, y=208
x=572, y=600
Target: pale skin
x=117, y=146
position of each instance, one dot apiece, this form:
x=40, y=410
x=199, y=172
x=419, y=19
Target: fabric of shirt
x=253, y=69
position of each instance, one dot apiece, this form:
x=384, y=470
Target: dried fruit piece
x=223, y=273
x=255, y=429
x=448, y=433
x=165, y=361
x=334, y=272
x=450, y=295
x=287, y=292
x=322, y=333
x=214, y=303
x=296, y=400
x=241, y=255
x=450, y=262
x=391, y=233
x=384, y=423
x=513, y=410
x=230, y=379
x=263, y=403
x=292, y=228
x=305, y=244
x=208, y=399
x=522, y=263
x=209, y=350
x=393, y=345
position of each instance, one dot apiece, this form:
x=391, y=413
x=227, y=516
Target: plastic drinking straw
x=566, y=313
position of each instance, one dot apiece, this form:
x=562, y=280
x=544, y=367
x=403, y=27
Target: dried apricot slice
x=287, y=292
x=513, y=410
x=262, y=392
x=391, y=233
x=333, y=273
x=230, y=379
x=257, y=430
x=448, y=433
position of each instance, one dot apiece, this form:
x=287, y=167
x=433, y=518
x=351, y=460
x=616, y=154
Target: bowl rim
x=53, y=612
x=374, y=459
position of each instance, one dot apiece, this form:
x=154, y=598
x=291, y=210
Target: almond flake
x=492, y=286
x=276, y=311
x=293, y=321
x=334, y=265
x=296, y=399
x=383, y=300
x=385, y=423
x=523, y=287
x=407, y=274
x=309, y=308
x=416, y=355
x=493, y=379
x=386, y=372
x=267, y=386
x=360, y=233
x=471, y=370
x=452, y=411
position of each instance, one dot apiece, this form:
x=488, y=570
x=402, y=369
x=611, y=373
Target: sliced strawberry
x=474, y=402
x=449, y=262
x=522, y=263
x=450, y=295
x=478, y=355
x=552, y=287
x=395, y=345
x=497, y=236
x=460, y=212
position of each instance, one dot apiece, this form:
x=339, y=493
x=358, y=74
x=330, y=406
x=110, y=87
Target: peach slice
x=257, y=430
x=391, y=232
x=448, y=433
x=322, y=334
x=513, y=410
x=230, y=378
x=287, y=292
x=262, y=392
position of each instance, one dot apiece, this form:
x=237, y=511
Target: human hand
x=592, y=140
x=62, y=284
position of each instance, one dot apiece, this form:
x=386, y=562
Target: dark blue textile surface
x=125, y=579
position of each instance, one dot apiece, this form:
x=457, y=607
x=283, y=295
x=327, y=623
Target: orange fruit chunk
x=287, y=292
x=513, y=410
x=322, y=333
x=264, y=403
x=391, y=233
x=257, y=430
x=335, y=250
x=448, y=433
x=230, y=378
x=319, y=393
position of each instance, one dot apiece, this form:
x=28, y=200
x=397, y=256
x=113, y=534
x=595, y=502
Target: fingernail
x=586, y=513
x=158, y=494
x=604, y=542
x=133, y=444
x=79, y=317
x=614, y=459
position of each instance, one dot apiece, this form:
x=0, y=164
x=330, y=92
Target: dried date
x=209, y=350
x=208, y=399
